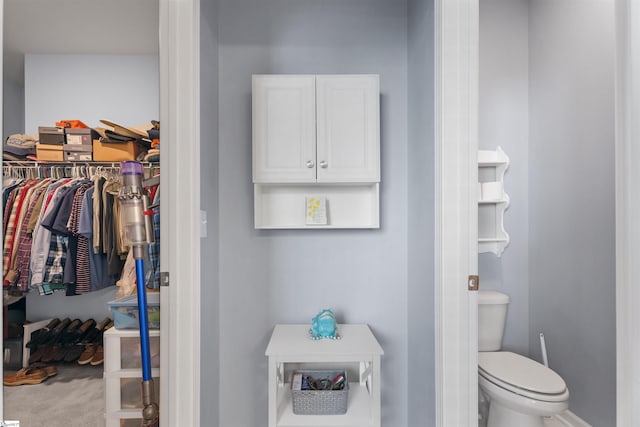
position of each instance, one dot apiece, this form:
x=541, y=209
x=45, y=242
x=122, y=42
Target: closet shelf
x=33, y=163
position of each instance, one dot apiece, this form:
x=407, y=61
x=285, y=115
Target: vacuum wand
x=138, y=233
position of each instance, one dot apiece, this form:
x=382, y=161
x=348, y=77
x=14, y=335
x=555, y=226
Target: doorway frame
x=627, y=211
x=456, y=212
x=179, y=65
x=456, y=26
x=179, y=54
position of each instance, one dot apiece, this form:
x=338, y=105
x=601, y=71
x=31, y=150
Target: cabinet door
x=348, y=129
x=284, y=132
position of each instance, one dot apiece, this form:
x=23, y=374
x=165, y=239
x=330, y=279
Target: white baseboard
x=569, y=419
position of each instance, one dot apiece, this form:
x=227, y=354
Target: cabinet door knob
x=323, y=164
x=310, y=164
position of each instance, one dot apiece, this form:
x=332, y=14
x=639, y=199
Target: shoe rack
x=123, y=375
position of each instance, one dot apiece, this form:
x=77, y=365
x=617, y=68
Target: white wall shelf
x=357, y=351
x=316, y=136
x=492, y=201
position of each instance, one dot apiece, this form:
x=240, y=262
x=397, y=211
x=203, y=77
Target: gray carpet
x=73, y=398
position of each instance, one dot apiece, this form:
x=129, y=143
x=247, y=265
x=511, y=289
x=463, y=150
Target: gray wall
x=209, y=310
x=13, y=111
x=503, y=121
x=571, y=204
x=269, y=277
x=420, y=308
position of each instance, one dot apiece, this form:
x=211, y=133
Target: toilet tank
x=492, y=315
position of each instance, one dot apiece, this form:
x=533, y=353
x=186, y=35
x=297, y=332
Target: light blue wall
x=93, y=305
x=503, y=121
x=121, y=88
x=420, y=308
x=269, y=277
x=571, y=204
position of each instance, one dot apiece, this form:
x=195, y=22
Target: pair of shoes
x=71, y=348
x=91, y=336
x=94, y=352
x=30, y=375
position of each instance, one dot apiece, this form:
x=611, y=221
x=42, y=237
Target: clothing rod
x=34, y=164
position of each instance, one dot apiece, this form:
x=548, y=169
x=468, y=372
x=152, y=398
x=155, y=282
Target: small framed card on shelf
x=316, y=210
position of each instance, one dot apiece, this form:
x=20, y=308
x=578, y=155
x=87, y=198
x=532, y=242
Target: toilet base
x=501, y=416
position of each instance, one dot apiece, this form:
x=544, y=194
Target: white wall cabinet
x=316, y=136
x=357, y=351
x=492, y=201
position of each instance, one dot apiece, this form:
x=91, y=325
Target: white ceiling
x=77, y=27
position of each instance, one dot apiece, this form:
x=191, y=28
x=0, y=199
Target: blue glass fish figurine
x=323, y=325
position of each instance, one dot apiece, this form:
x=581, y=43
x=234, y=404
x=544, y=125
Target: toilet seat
x=522, y=376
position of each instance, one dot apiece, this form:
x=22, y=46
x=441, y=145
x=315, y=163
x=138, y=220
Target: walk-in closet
x=67, y=345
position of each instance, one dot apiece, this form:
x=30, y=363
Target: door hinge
x=164, y=278
x=474, y=283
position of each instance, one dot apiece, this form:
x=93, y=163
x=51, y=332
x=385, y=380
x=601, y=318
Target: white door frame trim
x=456, y=54
x=180, y=210
x=627, y=213
x=457, y=45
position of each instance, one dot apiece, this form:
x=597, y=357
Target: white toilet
x=521, y=391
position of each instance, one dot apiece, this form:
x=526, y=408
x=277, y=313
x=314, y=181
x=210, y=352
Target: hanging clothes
x=64, y=233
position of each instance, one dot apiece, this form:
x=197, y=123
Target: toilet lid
x=520, y=372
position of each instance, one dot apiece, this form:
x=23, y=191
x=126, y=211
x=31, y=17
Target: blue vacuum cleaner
x=137, y=224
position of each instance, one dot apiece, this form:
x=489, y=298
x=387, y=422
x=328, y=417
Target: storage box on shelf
x=312, y=392
x=123, y=374
x=116, y=152
x=51, y=135
x=50, y=152
x=124, y=311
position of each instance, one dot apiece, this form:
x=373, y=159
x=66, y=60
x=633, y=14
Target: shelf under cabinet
x=349, y=205
x=359, y=411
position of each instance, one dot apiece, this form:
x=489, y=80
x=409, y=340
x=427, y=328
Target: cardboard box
x=77, y=153
x=51, y=135
x=80, y=136
x=115, y=152
x=49, y=153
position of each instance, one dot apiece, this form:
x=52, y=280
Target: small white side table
x=291, y=347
